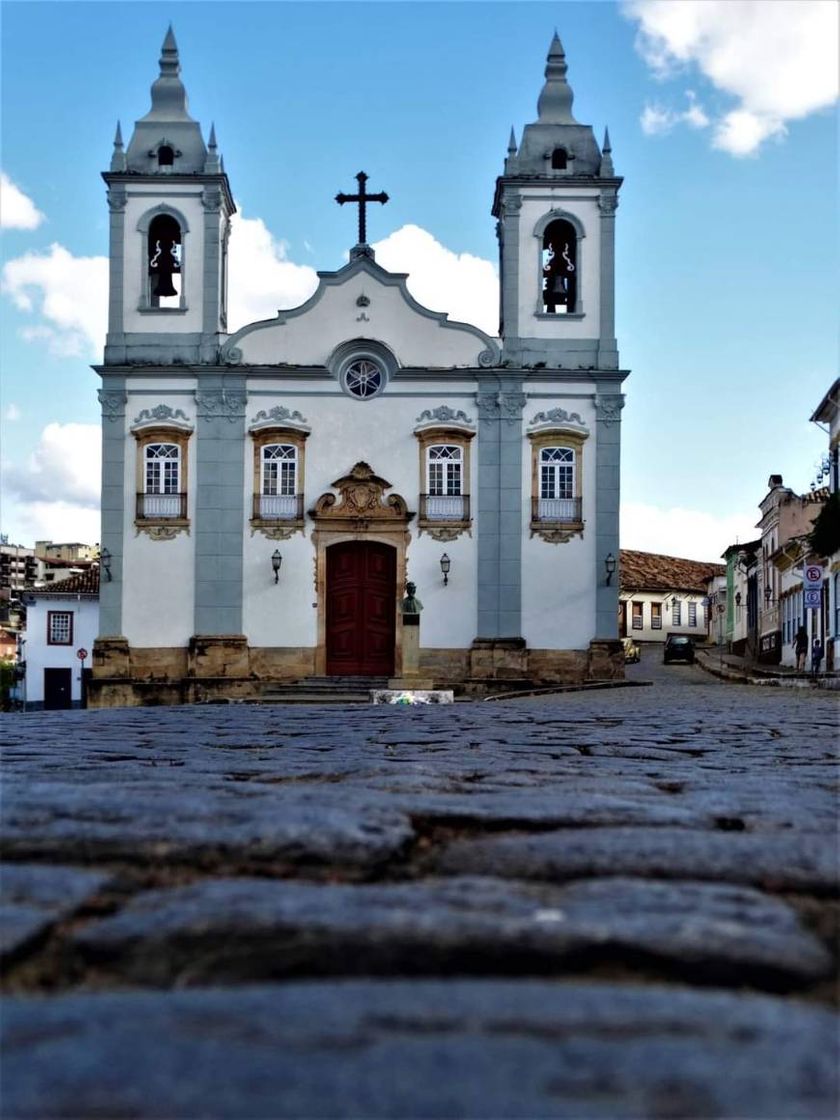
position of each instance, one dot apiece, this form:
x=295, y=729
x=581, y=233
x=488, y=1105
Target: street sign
x=81, y=653
x=813, y=576
x=813, y=597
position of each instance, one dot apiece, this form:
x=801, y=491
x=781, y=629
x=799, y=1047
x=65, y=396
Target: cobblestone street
x=604, y=904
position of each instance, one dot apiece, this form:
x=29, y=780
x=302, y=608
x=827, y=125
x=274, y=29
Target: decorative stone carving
x=489, y=405
x=608, y=409
x=512, y=405
x=231, y=355
x=512, y=205
x=363, y=301
x=449, y=534
x=607, y=203
x=556, y=536
x=162, y=414
x=557, y=416
x=219, y=404
x=211, y=199
x=117, y=198
x=161, y=532
x=277, y=417
x=113, y=403
x=486, y=359
x=443, y=414
x=278, y=532
x=361, y=502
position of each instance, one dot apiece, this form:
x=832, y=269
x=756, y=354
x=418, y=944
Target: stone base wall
x=218, y=667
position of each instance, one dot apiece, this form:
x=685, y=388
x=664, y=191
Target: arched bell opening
x=164, y=262
x=560, y=268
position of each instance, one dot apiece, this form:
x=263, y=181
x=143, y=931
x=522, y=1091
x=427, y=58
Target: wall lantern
x=737, y=598
x=105, y=563
x=445, y=565
x=609, y=564
x=276, y=561
x=768, y=593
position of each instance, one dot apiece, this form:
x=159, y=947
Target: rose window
x=363, y=378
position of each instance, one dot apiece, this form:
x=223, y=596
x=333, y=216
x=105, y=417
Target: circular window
x=363, y=378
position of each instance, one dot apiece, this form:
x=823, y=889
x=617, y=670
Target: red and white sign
x=813, y=576
x=81, y=653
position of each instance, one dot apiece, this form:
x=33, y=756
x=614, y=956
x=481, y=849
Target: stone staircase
x=322, y=690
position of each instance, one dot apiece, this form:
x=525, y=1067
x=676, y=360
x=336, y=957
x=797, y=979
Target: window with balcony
x=161, y=481
x=278, y=482
x=444, y=469
x=556, y=501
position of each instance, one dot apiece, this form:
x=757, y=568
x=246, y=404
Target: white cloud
x=11, y=413
x=778, y=60
x=57, y=521
x=64, y=468
x=689, y=533
x=262, y=278
x=70, y=293
x=463, y=285
x=17, y=210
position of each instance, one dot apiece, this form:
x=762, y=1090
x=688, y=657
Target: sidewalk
x=743, y=670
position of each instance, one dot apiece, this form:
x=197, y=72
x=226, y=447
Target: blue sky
x=721, y=119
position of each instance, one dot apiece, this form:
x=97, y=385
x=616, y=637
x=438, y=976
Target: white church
x=268, y=494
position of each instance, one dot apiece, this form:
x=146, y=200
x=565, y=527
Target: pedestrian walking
x=816, y=655
x=800, y=645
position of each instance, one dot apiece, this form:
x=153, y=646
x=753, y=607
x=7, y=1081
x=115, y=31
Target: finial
x=169, y=98
x=607, y=170
x=118, y=157
x=212, y=165
x=555, y=101
x=512, y=142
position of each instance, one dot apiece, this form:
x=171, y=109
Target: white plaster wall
x=158, y=576
x=310, y=338
x=40, y=656
x=344, y=431
x=187, y=199
x=584, y=205
x=648, y=634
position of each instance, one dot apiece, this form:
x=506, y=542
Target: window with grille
x=676, y=613
x=656, y=616
x=59, y=628
x=638, y=622
x=557, y=485
x=692, y=614
x=161, y=496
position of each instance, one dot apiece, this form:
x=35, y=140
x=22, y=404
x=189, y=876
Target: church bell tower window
x=559, y=268
x=166, y=156
x=164, y=256
x=559, y=159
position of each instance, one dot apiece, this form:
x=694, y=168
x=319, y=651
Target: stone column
x=608, y=406
x=607, y=345
x=113, y=401
x=115, y=339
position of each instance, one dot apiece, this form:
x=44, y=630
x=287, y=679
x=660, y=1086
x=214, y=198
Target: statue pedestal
x=411, y=678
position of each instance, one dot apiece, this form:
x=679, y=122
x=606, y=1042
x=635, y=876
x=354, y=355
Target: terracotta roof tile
x=85, y=583
x=649, y=571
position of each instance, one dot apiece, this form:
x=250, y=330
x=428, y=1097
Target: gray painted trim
x=116, y=270
x=608, y=347
x=219, y=504
x=510, y=268
x=232, y=355
x=211, y=271
x=113, y=400
x=607, y=496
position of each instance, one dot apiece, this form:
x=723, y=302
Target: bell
x=165, y=286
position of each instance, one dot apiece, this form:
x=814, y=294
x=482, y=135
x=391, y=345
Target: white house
x=267, y=494
x=663, y=595
x=61, y=623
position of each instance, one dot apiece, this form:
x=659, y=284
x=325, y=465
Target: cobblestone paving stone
x=603, y=904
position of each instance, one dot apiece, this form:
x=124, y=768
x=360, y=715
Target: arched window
x=164, y=257
x=161, y=495
x=166, y=156
x=278, y=480
x=445, y=480
x=559, y=159
x=559, y=267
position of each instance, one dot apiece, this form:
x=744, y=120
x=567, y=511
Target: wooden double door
x=361, y=609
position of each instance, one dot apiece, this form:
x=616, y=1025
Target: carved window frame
x=145, y=305
x=444, y=529
x=159, y=527
x=539, y=233
x=556, y=531
x=278, y=528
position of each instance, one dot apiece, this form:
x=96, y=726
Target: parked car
x=631, y=650
x=678, y=648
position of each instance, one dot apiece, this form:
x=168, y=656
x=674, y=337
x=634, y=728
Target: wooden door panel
x=57, y=689
x=361, y=608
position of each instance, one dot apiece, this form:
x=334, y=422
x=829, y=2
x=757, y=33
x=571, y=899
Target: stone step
x=312, y=696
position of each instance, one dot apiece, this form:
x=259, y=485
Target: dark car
x=678, y=648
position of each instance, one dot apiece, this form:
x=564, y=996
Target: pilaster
x=211, y=201
x=220, y=504
x=115, y=340
x=113, y=401
x=608, y=406
x=607, y=345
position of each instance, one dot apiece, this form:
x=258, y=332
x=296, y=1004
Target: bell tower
x=170, y=206
x=555, y=208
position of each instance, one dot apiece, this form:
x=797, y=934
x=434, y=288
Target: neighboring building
x=60, y=621
x=786, y=520
x=663, y=595
x=741, y=600
x=67, y=553
x=359, y=440
x=827, y=415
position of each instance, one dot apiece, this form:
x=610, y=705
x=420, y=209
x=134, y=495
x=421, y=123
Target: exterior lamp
x=445, y=565
x=737, y=598
x=768, y=593
x=609, y=564
x=105, y=563
x=276, y=561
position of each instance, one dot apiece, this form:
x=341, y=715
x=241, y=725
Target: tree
x=824, y=538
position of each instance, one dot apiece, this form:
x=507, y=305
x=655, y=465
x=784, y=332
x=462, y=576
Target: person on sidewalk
x=816, y=655
x=800, y=645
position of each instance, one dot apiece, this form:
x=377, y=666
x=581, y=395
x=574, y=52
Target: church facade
x=267, y=494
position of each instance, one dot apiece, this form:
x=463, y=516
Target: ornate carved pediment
x=361, y=501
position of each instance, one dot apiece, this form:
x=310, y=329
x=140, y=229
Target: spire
x=212, y=166
x=607, y=169
x=512, y=142
x=555, y=102
x=118, y=157
x=169, y=98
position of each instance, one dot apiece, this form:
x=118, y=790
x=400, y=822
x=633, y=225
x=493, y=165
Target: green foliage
x=7, y=674
x=824, y=537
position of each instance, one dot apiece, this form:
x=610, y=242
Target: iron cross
x=363, y=198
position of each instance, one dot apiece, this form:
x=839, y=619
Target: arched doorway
x=361, y=608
